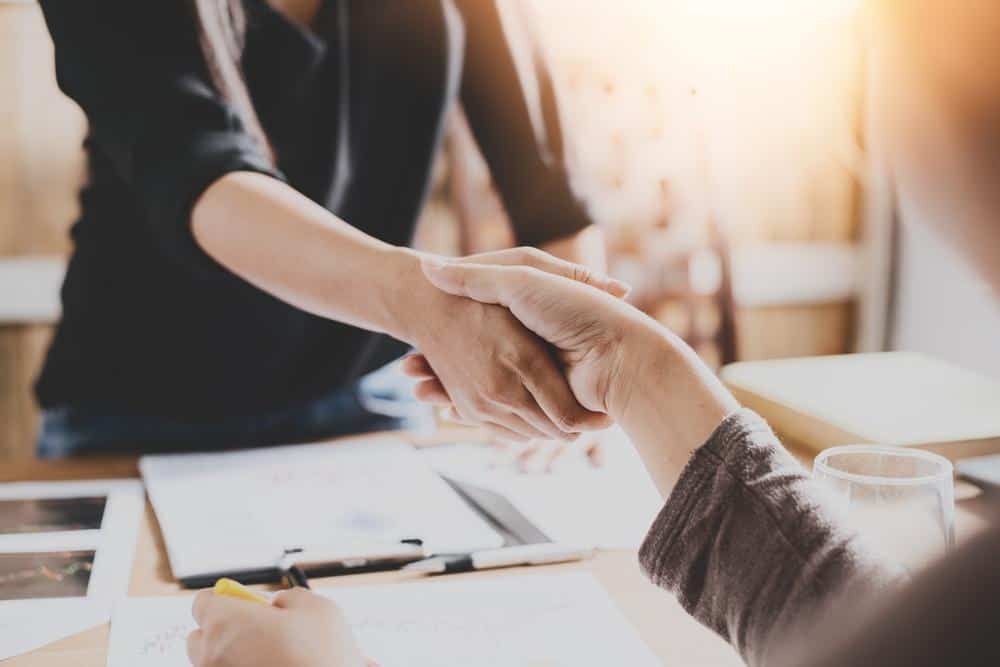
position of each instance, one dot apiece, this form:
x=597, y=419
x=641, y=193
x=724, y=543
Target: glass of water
x=901, y=500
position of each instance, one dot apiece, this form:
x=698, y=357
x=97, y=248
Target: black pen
x=294, y=577
x=526, y=554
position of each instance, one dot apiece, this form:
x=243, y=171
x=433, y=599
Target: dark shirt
x=354, y=113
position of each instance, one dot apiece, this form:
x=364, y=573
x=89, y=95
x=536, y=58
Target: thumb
x=298, y=598
x=543, y=261
x=481, y=282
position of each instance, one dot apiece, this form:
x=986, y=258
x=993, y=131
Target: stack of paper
x=537, y=620
x=239, y=511
x=66, y=552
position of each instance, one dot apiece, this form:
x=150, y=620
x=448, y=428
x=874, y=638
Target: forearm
x=273, y=237
x=667, y=400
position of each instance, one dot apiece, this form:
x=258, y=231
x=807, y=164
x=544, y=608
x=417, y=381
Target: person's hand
x=299, y=629
x=618, y=360
x=585, y=325
x=489, y=368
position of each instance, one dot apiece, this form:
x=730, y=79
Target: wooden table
x=663, y=624
x=660, y=620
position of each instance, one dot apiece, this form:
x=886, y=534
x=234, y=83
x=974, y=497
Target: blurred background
x=724, y=145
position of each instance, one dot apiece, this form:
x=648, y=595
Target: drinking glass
x=901, y=500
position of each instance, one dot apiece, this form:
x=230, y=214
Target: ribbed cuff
x=694, y=495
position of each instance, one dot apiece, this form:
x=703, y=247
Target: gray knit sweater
x=746, y=546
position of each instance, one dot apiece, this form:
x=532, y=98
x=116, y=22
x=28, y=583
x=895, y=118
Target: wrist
x=645, y=355
x=667, y=401
x=409, y=300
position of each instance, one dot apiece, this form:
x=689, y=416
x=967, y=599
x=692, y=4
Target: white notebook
x=238, y=511
x=551, y=620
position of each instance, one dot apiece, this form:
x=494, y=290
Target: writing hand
x=299, y=629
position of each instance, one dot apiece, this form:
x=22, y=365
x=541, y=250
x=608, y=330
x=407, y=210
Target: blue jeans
x=378, y=402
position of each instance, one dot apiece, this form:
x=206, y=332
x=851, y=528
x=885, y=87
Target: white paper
x=609, y=507
x=224, y=512
x=30, y=625
x=26, y=625
x=541, y=620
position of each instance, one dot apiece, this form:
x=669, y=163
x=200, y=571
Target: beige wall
x=40, y=168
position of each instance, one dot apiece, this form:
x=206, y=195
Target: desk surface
x=659, y=619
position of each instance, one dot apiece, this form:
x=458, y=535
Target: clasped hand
x=489, y=368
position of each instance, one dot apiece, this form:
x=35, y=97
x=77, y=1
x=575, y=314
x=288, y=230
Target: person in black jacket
x=255, y=172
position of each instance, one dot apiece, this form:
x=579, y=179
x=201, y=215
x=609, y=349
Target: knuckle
x=496, y=391
x=529, y=255
x=569, y=420
x=479, y=407
x=527, y=365
x=514, y=358
x=583, y=275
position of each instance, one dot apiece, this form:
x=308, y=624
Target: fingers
x=496, y=430
x=542, y=427
x=196, y=647
x=595, y=453
x=210, y=609
x=300, y=598
x=481, y=282
x=202, y=604
x=554, y=396
x=543, y=261
x=432, y=391
x=531, y=423
x=517, y=423
x=541, y=458
x=417, y=366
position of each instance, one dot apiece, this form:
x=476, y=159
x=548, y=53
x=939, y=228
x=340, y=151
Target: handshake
x=531, y=347
x=539, y=348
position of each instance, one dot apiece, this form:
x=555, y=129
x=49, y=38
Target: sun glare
x=747, y=107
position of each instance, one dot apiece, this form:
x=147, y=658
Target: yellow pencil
x=235, y=589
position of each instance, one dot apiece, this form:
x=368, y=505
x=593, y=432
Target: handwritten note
x=150, y=632
x=223, y=512
x=558, y=620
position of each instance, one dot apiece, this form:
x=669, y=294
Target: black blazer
x=354, y=113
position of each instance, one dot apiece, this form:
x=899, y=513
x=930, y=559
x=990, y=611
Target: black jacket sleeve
x=137, y=71
x=517, y=126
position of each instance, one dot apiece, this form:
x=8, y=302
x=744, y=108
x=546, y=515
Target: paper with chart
x=541, y=620
x=233, y=511
x=66, y=551
x=609, y=507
